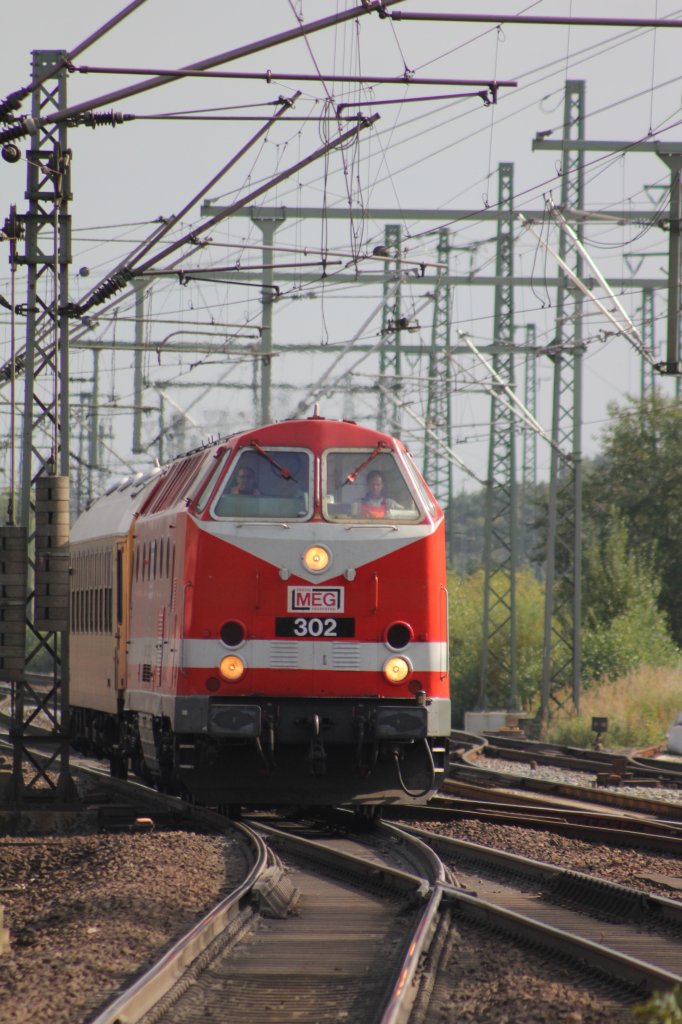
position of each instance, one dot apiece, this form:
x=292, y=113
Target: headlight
x=316, y=559
x=396, y=670
x=232, y=668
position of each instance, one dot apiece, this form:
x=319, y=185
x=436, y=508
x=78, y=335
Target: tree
x=622, y=624
x=639, y=474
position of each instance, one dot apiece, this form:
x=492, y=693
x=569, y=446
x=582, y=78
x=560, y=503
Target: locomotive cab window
x=366, y=484
x=267, y=483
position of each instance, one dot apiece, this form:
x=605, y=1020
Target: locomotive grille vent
x=345, y=656
x=146, y=673
x=284, y=655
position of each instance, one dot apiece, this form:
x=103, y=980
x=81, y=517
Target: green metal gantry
x=500, y=543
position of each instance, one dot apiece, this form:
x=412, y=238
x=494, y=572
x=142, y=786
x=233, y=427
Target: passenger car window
x=366, y=484
x=267, y=483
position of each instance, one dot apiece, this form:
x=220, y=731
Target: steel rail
x=467, y=748
x=633, y=972
x=594, y=894
x=602, y=894
x=401, y=1000
x=475, y=781
x=669, y=771
x=637, y=833
x=230, y=914
x=403, y=988
x=634, y=767
x=463, y=797
x=366, y=870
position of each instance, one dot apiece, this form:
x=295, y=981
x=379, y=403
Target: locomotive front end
x=314, y=649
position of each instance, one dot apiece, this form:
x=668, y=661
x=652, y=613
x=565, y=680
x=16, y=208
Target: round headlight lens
x=232, y=668
x=396, y=670
x=316, y=559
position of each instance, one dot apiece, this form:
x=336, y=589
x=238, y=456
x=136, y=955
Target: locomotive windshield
x=366, y=485
x=266, y=483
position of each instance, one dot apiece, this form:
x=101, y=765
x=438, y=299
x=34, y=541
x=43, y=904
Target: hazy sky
x=438, y=154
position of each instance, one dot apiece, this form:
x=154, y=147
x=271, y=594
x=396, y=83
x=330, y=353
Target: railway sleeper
x=608, y=898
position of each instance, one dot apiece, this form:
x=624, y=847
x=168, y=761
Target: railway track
x=637, y=768
x=339, y=925
x=472, y=773
x=375, y=916
x=349, y=951
x=634, y=923
x=639, y=831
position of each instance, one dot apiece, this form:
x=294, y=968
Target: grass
x=641, y=707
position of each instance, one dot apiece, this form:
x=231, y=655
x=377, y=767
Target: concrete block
x=490, y=721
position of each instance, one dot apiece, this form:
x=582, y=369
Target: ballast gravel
x=657, y=873
x=487, y=979
x=549, y=773
x=87, y=913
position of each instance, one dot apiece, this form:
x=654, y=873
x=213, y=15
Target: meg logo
x=315, y=599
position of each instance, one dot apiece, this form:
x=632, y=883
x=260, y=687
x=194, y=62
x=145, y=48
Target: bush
x=622, y=624
x=466, y=638
x=662, y=1008
x=637, y=637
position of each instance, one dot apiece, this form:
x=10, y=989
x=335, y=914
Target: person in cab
x=375, y=502
x=245, y=482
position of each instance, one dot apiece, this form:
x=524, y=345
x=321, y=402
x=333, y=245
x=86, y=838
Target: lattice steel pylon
x=437, y=466
x=649, y=341
x=500, y=542
x=529, y=445
x=44, y=509
x=561, y=647
x=390, y=361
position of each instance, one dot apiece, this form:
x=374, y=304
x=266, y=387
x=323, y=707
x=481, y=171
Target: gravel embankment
x=88, y=912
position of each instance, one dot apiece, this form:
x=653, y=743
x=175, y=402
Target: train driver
x=375, y=502
x=245, y=482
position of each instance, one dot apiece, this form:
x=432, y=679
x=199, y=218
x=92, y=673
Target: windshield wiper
x=283, y=471
x=352, y=476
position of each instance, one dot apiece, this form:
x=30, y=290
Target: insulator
x=13, y=562
x=112, y=117
x=51, y=611
x=105, y=290
x=24, y=126
x=6, y=368
x=12, y=102
x=13, y=226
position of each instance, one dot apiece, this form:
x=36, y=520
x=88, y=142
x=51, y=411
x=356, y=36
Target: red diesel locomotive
x=264, y=621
